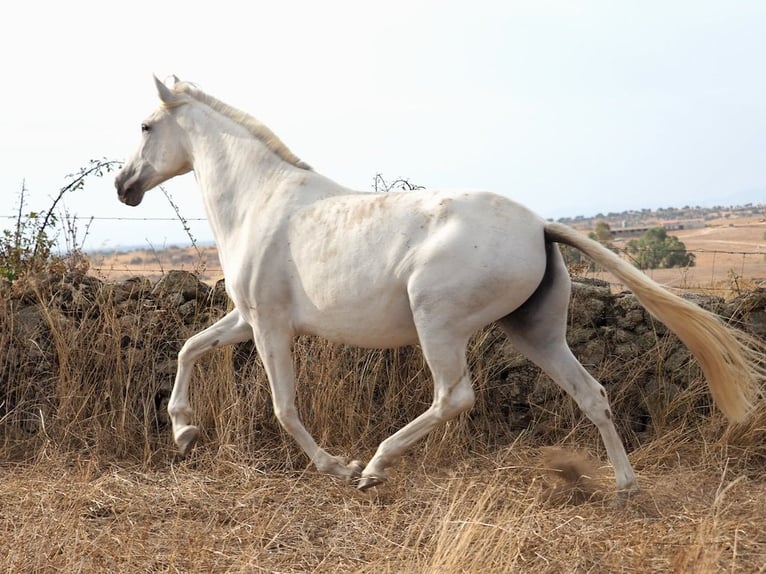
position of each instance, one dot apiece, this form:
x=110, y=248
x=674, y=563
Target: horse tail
x=731, y=360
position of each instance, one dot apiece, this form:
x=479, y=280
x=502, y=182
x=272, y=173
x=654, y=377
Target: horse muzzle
x=129, y=191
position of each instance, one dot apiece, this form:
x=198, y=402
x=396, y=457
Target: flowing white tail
x=730, y=360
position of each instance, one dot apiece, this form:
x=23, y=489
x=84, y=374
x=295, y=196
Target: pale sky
x=570, y=107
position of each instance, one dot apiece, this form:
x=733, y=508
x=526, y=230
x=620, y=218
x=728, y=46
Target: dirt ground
x=730, y=256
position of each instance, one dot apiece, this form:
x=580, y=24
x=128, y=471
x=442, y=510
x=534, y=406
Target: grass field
x=91, y=482
x=700, y=511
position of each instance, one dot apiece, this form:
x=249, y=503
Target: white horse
x=304, y=255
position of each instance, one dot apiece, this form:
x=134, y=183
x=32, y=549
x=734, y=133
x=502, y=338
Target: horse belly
x=378, y=320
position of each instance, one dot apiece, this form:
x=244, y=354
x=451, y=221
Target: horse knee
x=191, y=350
x=455, y=401
x=463, y=398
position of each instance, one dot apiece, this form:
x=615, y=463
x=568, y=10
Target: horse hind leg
x=538, y=331
x=559, y=363
x=453, y=393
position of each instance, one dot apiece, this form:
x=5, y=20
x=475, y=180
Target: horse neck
x=237, y=174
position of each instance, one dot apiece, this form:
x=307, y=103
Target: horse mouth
x=129, y=191
x=131, y=196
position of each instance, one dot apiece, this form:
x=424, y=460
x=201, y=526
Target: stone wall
x=75, y=346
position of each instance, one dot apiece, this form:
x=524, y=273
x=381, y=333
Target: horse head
x=162, y=152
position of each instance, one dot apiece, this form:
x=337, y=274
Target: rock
x=749, y=310
x=677, y=360
x=28, y=323
x=589, y=303
x=133, y=330
x=218, y=296
x=133, y=289
x=577, y=335
x=182, y=283
x=592, y=353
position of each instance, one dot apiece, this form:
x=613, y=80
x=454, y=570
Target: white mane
x=256, y=128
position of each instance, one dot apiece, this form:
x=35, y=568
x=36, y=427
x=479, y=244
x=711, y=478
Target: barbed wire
x=165, y=219
x=202, y=268
x=726, y=283
x=99, y=218
x=217, y=272
x=106, y=270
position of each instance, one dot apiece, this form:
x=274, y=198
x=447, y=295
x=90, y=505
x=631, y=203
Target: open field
x=90, y=481
x=730, y=255
x=700, y=511
x=119, y=265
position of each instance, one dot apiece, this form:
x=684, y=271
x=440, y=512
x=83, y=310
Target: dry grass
x=249, y=502
x=224, y=512
x=90, y=481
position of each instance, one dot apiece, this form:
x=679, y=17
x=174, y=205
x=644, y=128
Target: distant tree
x=602, y=233
x=655, y=249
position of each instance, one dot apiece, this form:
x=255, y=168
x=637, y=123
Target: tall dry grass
x=91, y=483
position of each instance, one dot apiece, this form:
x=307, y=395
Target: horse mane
x=255, y=127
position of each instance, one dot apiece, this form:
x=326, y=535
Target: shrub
x=28, y=246
x=656, y=249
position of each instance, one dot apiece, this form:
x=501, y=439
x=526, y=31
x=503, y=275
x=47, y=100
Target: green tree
x=602, y=233
x=655, y=249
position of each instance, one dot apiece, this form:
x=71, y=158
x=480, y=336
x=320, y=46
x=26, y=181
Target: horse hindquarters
x=538, y=330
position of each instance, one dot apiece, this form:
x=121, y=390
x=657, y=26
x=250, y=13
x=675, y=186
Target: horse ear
x=166, y=96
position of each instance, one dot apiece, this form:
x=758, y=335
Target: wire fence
x=714, y=270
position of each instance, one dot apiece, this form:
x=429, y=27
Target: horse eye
x=145, y=128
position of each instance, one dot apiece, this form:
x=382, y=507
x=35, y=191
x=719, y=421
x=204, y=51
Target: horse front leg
x=230, y=329
x=275, y=350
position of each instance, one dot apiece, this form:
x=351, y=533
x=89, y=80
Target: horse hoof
x=624, y=497
x=186, y=439
x=356, y=467
x=368, y=482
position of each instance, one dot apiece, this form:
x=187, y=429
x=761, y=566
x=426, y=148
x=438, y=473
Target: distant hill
x=643, y=217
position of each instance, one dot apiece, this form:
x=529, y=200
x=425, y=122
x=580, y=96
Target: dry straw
x=91, y=482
